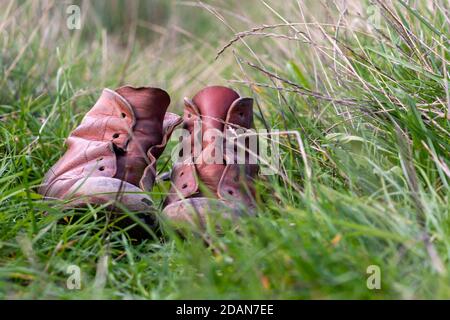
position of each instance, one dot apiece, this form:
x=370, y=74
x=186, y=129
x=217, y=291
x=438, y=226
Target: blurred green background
x=364, y=84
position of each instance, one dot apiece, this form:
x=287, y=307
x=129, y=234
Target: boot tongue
x=213, y=103
x=146, y=102
x=149, y=107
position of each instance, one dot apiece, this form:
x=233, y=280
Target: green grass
x=371, y=105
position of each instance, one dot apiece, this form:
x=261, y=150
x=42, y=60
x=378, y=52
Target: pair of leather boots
x=112, y=155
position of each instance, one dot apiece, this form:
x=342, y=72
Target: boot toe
x=102, y=190
x=196, y=211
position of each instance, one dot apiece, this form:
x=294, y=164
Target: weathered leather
x=229, y=187
x=111, y=156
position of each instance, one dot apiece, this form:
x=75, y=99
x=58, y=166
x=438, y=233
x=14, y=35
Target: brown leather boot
x=200, y=188
x=111, y=155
